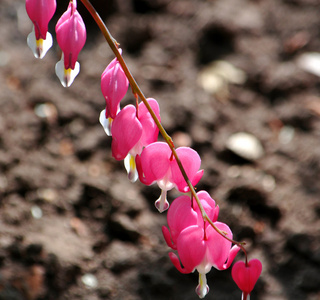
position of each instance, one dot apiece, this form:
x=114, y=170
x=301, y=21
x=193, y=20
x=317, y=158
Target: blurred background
x=237, y=80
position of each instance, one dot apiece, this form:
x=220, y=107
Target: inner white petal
x=39, y=47
x=66, y=76
x=106, y=123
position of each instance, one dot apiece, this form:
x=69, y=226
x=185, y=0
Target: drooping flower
x=199, y=245
x=157, y=164
x=133, y=130
x=40, y=13
x=246, y=276
x=114, y=86
x=71, y=36
x=182, y=215
x=201, y=250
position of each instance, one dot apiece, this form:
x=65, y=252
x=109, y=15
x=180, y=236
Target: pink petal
x=232, y=254
x=114, y=86
x=191, y=247
x=180, y=216
x=142, y=178
x=220, y=254
x=111, y=65
x=40, y=13
x=126, y=131
x=153, y=163
x=246, y=276
x=167, y=237
x=175, y=260
x=209, y=206
x=154, y=105
x=191, y=162
x=196, y=178
x=150, y=129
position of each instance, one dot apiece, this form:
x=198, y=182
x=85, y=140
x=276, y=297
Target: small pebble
x=49, y=195
x=218, y=74
x=269, y=183
x=286, y=134
x=89, y=280
x=36, y=212
x=245, y=145
x=46, y=111
x=310, y=62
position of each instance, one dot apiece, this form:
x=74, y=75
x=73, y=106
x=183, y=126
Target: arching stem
x=137, y=91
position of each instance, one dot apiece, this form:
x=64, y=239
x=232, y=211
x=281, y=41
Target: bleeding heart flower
x=71, y=36
x=201, y=249
x=199, y=245
x=182, y=214
x=40, y=13
x=114, y=86
x=157, y=164
x=246, y=276
x=131, y=132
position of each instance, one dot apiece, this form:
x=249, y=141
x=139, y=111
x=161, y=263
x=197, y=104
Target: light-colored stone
x=245, y=145
x=310, y=62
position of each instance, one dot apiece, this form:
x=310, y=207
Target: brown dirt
x=66, y=207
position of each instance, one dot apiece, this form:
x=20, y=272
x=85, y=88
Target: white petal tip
x=133, y=176
x=130, y=165
x=162, y=204
x=106, y=123
x=39, y=47
x=202, y=289
x=245, y=296
x=66, y=76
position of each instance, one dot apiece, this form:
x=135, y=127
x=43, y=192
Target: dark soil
x=73, y=227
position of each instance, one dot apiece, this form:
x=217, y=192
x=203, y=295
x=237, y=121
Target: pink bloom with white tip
x=71, y=36
x=246, y=276
x=157, y=164
x=40, y=13
x=200, y=247
x=182, y=215
x=114, y=86
x=132, y=130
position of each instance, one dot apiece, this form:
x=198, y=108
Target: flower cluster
x=134, y=133
x=194, y=232
x=199, y=245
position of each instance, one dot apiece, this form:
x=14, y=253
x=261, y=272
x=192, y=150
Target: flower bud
x=246, y=275
x=40, y=13
x=71, y=37
x=114, y=86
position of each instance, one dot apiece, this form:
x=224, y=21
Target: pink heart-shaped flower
x=246, y=276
